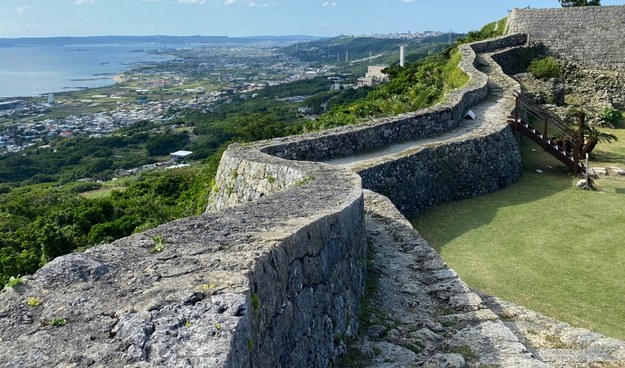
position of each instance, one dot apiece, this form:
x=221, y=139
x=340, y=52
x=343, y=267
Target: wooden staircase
x=565, y=148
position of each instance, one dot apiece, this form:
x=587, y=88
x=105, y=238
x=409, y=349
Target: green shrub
x=491, y=30
x=610, y=116
x=13, y=282
x=547, y=67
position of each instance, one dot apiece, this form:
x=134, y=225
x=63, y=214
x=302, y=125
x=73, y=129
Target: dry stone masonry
x=591, y=36
x=274, y=273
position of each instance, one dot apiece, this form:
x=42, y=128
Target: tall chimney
x=402, y=62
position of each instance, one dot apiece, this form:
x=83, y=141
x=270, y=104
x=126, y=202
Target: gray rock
x=445, y=361
x=375, y=331
x=427, y=339
x=391, y=353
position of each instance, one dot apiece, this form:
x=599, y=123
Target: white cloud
x=407, y=1
x=21, y=9
x=200, y=2
x=255, y=5
x=85, y=2
x=329, y=4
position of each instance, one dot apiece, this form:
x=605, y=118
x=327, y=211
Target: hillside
x=332, y=51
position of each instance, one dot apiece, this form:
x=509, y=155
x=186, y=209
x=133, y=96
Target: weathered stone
x=427, y=339
x=375, y=331
x=465, y=302
x=445, y=361
x=391, y=353
x=593, y=38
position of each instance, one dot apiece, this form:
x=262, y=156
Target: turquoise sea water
x=34, y=70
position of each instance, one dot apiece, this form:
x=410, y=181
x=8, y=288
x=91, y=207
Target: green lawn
x=542, y=243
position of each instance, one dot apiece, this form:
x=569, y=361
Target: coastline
x=29, y=81
x=119, y=78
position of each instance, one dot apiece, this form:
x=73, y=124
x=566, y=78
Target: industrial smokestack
x=402, y=61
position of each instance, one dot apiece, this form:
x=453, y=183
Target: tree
x=594, y=136
x=569, y=3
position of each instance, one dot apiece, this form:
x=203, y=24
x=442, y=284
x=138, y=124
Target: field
x=542, y=243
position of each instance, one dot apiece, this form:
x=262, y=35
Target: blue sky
x=26, y=18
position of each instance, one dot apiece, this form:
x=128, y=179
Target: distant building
x=364, y=82
x=195, y=91
x=375, y=73
x=311, y=74
x=304, y=110
x=51, y=99
x=179, y=155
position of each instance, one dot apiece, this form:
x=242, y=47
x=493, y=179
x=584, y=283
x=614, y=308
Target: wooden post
x=580, y=130
x=582, y=124
x=517, y=110
x=545, y=135
x=575, y=158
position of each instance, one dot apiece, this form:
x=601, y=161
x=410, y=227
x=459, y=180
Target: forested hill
x=331, y=50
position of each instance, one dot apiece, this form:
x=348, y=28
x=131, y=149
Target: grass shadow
x=540, y=243
x=605, y=156
x=458, y=218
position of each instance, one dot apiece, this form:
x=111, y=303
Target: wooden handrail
x=552, y=124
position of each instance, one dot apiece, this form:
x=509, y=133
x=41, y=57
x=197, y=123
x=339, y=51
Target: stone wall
x=272, y=283
x=445, y=173
x=378, y=133
x=274, y=278
x=595, y=88
x=591, y=36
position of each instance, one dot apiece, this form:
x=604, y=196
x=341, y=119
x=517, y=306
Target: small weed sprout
x=187, y=324
x=159, y=244
x=255, y=302
x=250, y=345
x=304, y=180
x=58, y=322
x=218, y=326
x=271, y=179
x=209, y=286
x=33, y=302
x=465, y=351
x=14, y=281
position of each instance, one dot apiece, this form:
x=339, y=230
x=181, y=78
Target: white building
x=364, y=82
x=179, y=155
x=375, y=73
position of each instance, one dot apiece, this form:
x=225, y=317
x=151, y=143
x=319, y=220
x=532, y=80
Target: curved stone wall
x=272, y=279
x=589, y=35
x=276, y=282
x=434, y=175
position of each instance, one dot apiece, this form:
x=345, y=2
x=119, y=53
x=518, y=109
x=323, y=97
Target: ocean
x=35, y=70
